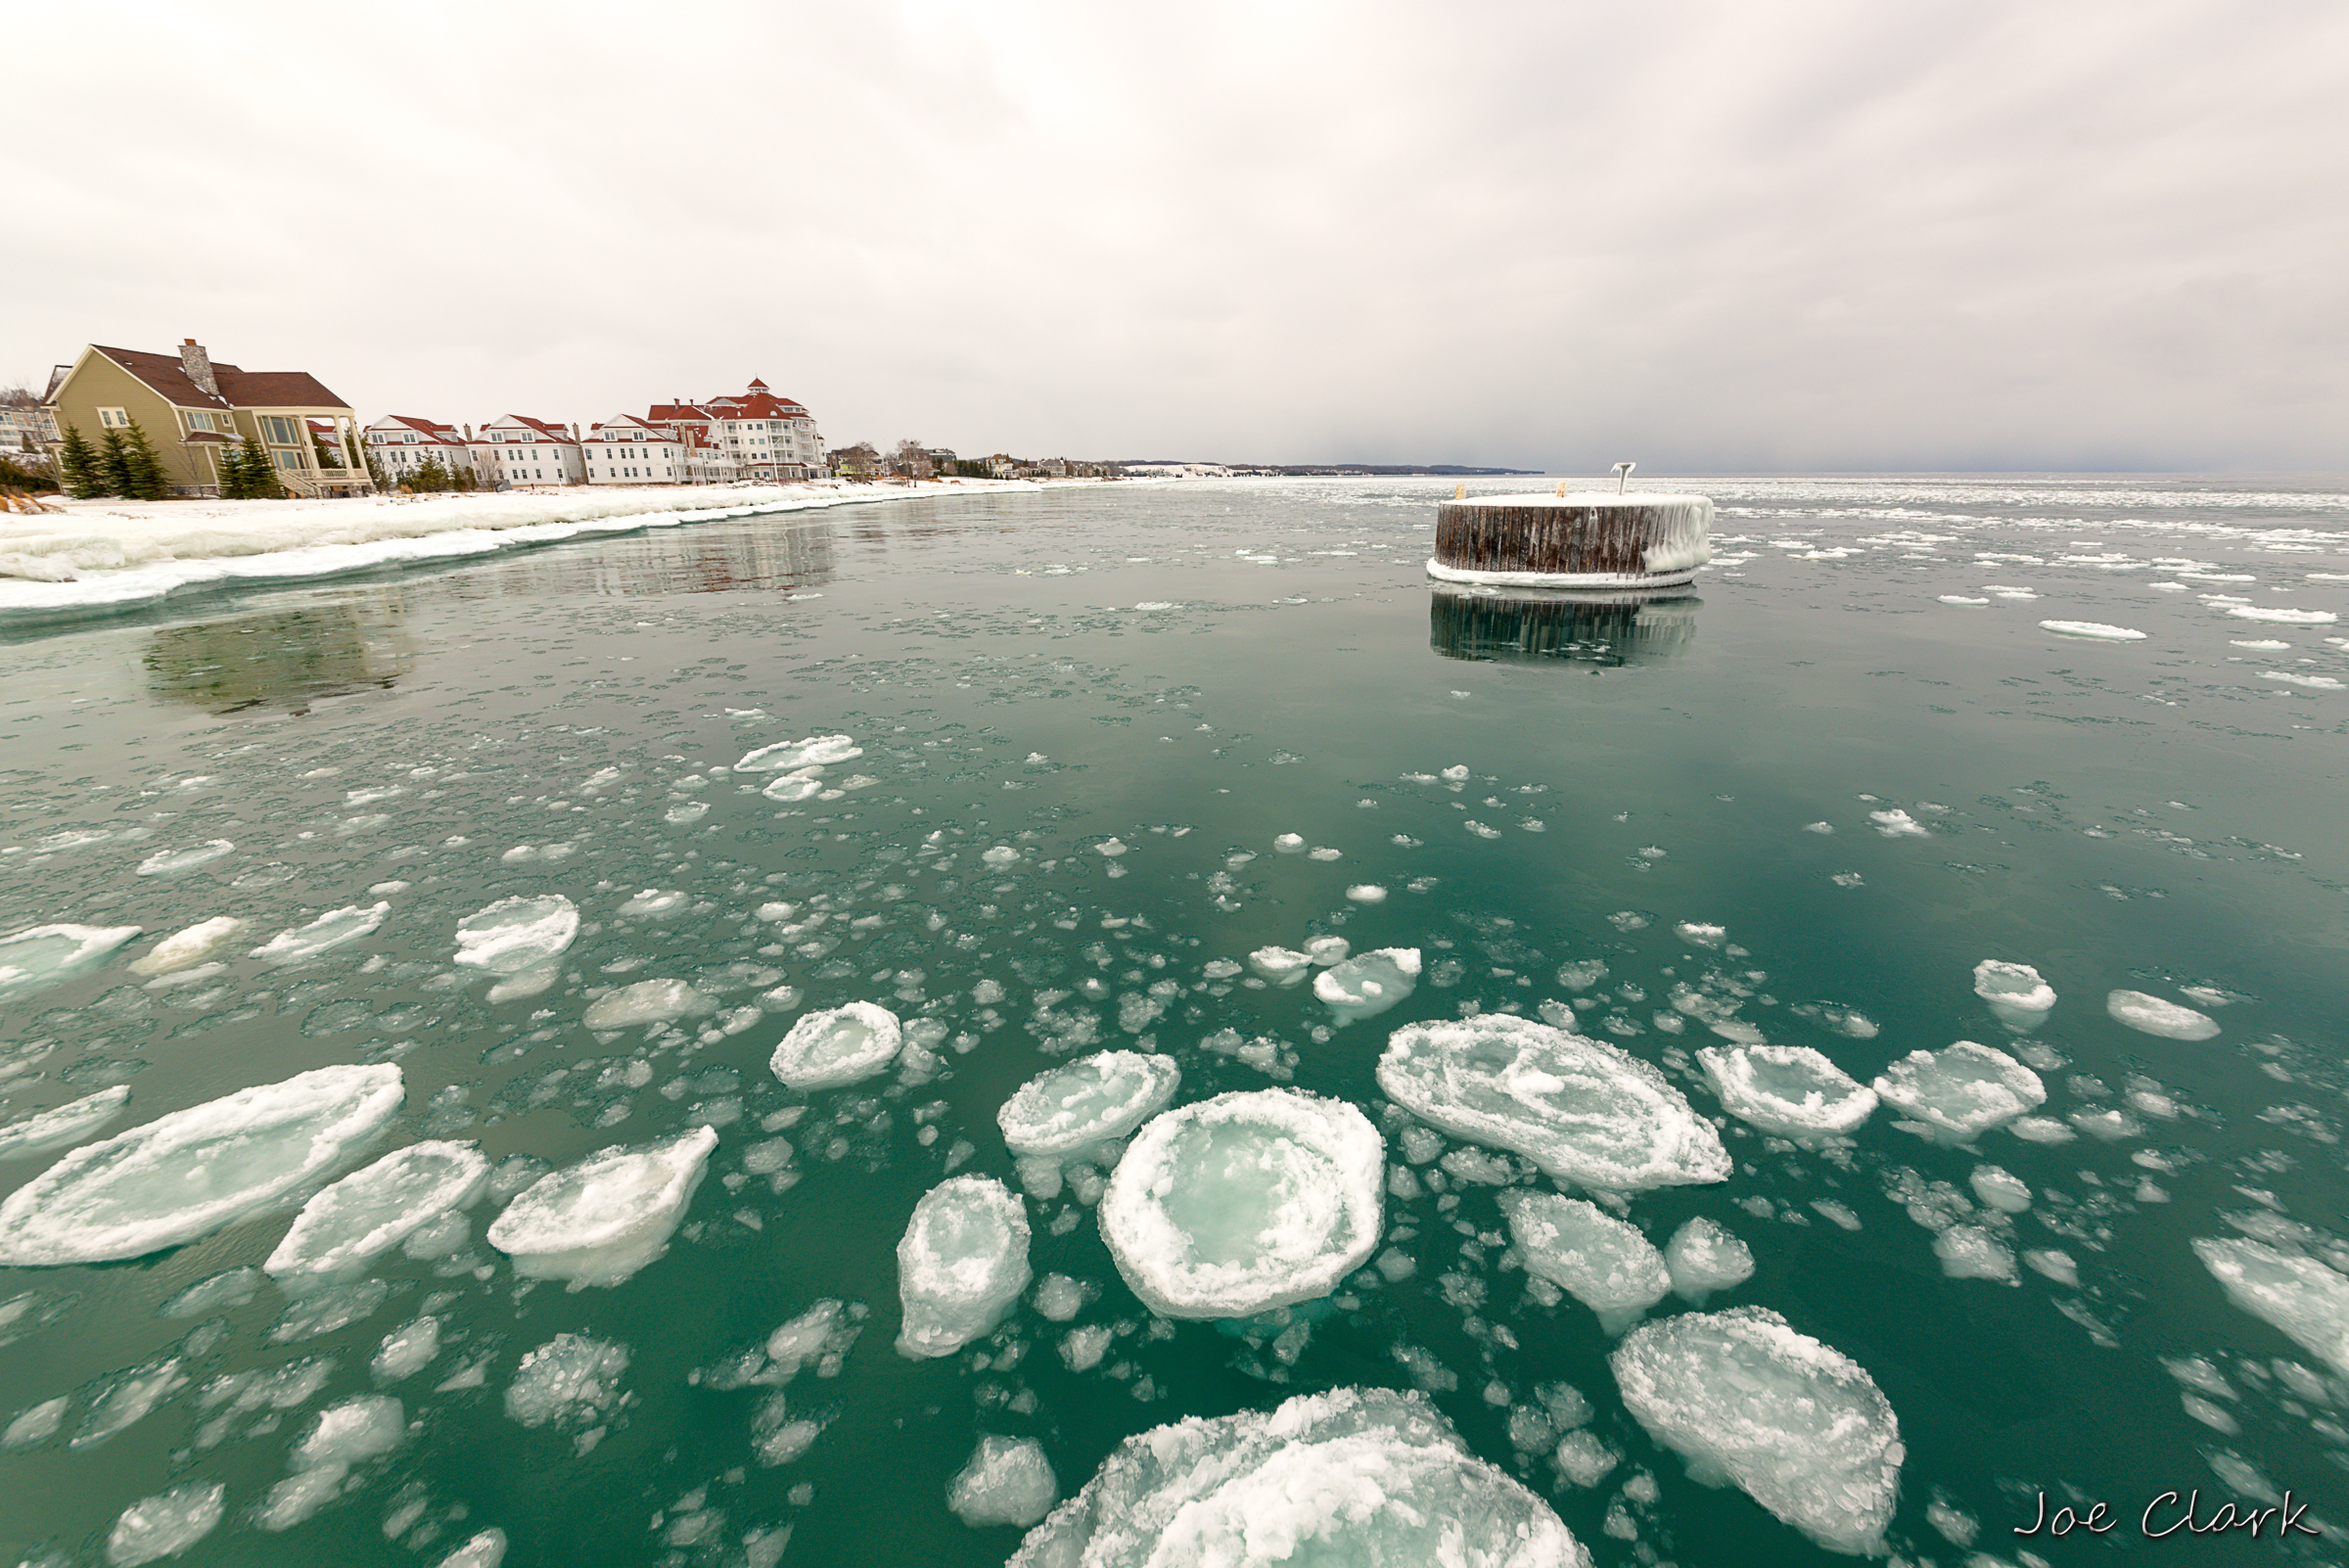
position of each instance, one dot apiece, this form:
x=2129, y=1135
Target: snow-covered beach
x=107, y=556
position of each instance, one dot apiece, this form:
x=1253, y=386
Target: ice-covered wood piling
x=1576, y=540
x=1611, y=627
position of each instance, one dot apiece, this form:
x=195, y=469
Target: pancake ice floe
x=961, y=1264
x=600, y=1220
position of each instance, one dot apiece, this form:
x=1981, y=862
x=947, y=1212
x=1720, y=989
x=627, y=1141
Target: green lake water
x=1138, y=690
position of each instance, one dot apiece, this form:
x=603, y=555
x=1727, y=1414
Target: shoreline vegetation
x=108, y=556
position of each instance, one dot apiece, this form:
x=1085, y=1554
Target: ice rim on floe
x=1753, y=1084
x=598, y=1221
x=1316, y=1183
x=84, y=1209
x=797, y=1061
x=1957, y=1094
x=1822, y=1451
x=814, y=750
x=1093, y=1101
x=2017, y=994
x=1366, y=1476
x=517, y=933
x=961, y=1264
x=1540, y=1091
x=377, y=1207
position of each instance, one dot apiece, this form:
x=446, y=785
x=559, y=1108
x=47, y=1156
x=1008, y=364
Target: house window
x=112, y=418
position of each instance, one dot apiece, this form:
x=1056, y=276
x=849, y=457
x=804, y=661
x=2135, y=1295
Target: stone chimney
x=199, y=367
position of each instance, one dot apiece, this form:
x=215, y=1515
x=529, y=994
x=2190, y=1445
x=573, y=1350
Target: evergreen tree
x=257, y=479
x=143, y=476
x=430, y=477
x=114, y=475
x=77, y=465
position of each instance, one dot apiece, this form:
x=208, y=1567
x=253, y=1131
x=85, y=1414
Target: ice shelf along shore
x=898, y=1036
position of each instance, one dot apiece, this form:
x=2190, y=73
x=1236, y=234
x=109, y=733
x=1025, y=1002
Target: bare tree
x=19, y=397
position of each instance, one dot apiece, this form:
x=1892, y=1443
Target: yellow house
x=196, y=411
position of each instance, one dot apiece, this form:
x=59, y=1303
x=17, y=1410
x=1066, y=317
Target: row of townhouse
x=755, y=436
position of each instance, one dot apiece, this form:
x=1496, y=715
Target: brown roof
x=239, y=389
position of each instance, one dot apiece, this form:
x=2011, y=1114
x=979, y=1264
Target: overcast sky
x=1713, y=237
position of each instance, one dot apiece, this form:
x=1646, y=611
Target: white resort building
x=768, y=438
x=518, y=450
x=625, y=451
x=402, y=444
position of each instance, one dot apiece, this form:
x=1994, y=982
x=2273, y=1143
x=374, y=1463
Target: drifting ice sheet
x=1245, y=1202
x=165, y=1524
x=32, y=960
x=1364, y=1477
x=1801, y=1428
x=1791, y=1090
x=817, y=751
x=373, y=1210
x=1604, y=1264
x=2018, y=997
x=2151, y=1015
x=188, y=1173
x=513, y=935
x=67, y=1123
x=1703, y=1258
x=1959, y=1094
x=961, y=1264
x=2296, y=1294
x=1369, y=984
x=599, y=1222
x=1008, y=1482
x=329, y=930
x=1094, y=1100
x=841, y=1046
x=1582, y=1111
x=183, y=948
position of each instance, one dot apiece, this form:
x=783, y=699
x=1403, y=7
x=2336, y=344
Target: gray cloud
x=1833, y=235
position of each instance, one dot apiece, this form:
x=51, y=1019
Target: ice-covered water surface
x=1830, y=821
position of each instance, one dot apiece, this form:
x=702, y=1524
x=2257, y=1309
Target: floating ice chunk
x=1091, y=1101
x=165, y=1524
x=571, y=1380
x=961, y=1264
x=2094, y=630
x=517, y=933
x=1897, y=824
x=35, y=959
x=1584, y=1458
x=1956, y=1095
x=2291, y=678
x=1970, y=1252
x=1059, y=1298
x=70, y=1123
x=171, y=863
x=1791, y=1090
x=1000, y=854
x=2280, y=616
x=2259, y=644
x=2151, y=1015
x=792, y=787
x=1959, y=598
x=1110, y=846
x=407, y=1351
x=1008, y=1481
x=485, y=1548
x=1369, y=984
x=365, y=1427
x=1327, y=950
x=529, y=983
x=1582, y=1111
x=1364, y=1477
x=647, y=1001
x=817, y=751
x=188, y=1173
x=1698, y=935
x=2293, y=1293
x=1366, y=893
x=2018, y=997
x=1245, y=1202
x=372, y=1210
x=193, y=945
x=1281, y=965
x=1604, y=1264
x=1290, y=844
x=654, y=903
x=2001, y=1188
x=1703, y=1258
x=2056, y=1266
x=600, y=1220
x=329, y=930
x=839, y=1045
x=35, y=1425
x=1801, y=1428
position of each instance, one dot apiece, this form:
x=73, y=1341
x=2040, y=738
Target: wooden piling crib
x=1572, y=539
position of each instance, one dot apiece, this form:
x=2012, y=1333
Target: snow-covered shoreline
x=105, y=557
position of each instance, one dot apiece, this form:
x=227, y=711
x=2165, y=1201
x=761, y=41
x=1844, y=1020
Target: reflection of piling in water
x=1619, y=628
x=1573, y=540
x=286, y=659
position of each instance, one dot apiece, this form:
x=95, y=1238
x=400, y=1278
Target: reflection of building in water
x=1619, y=627
x=285, y=659
x=746, y=555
